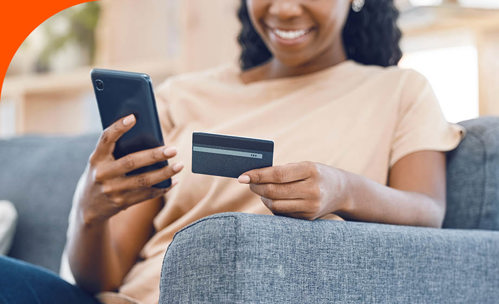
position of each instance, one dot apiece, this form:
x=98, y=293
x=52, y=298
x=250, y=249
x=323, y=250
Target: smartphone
x=121, y=93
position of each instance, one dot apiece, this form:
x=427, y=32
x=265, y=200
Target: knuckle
x=157, y=155
x=167, y=171
x=278, y=174
x=142, y=181
x=98, y=175
x=256, y=178
x=128, y=162
x=107, y=189
x=152, y=194
x=92, y=159
x=269, y=190
x=118, y=201
x=268, y=202
x=311, y=168
x=105, y=137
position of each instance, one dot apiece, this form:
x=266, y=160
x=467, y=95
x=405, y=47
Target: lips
x=289, y=37
x=290, y=34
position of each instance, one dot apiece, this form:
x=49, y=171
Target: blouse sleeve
x=421, y=124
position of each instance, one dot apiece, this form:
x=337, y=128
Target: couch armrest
x=243, y=258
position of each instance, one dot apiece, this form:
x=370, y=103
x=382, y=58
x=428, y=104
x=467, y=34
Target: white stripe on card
x=227, y=152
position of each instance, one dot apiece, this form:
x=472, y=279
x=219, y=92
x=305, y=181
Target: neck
x=275, y=68
x=331, y=57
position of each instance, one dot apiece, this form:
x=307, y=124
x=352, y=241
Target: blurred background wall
x=454, y=43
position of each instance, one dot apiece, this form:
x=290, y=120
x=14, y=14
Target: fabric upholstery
x=473, y=177
x=8, y=221
x=242, y=258
x=39, y=175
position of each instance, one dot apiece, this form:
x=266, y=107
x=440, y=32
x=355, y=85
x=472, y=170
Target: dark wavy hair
x=370, y=36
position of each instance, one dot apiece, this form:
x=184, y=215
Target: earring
x=357, y=5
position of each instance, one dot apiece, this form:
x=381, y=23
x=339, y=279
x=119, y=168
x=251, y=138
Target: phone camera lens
x=99, y=84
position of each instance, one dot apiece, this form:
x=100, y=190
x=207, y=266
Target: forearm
x=370, y=201
x=93, y=260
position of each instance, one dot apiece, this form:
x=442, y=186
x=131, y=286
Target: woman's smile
x=290, y=37
x=301, y=33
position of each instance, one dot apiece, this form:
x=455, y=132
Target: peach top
x=362, y=119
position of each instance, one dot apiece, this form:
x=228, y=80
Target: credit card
x=229, y=156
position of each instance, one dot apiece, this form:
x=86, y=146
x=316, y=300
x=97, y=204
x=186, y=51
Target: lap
x=21, y=282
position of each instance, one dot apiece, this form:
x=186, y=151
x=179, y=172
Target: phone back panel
x=122, y=93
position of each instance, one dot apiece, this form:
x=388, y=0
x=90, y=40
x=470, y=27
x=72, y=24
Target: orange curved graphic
x=18, y=19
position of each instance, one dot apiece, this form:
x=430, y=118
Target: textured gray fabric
x=473, y=177
x=241, y=258
x=39, y=175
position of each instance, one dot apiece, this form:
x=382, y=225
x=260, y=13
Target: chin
x=293, y=61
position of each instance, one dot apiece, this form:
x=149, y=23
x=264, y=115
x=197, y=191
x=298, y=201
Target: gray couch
x=241, y=258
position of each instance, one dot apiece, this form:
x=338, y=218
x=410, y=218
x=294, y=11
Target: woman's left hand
x=304, y=190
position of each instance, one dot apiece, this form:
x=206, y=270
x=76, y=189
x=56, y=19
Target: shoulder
x=402, y=82
x=392, y=74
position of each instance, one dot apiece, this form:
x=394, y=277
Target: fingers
x=285, y=207
x=111, y=134
x=279, y=174
x=143, y=180
x=294, y=190
x=297, y=208
x=133, y=197
x=134, y=161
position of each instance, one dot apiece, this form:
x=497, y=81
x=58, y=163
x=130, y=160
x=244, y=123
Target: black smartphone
x=121, y=93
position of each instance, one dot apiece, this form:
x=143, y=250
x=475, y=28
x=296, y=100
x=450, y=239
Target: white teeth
x=289, y=35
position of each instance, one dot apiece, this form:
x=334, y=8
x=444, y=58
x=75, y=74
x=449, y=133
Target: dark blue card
x=229, y=156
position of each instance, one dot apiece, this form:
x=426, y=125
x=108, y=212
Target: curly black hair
x=370, y=36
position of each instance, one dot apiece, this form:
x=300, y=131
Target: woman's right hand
x=105, y=190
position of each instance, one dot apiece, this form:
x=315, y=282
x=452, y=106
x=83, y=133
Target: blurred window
x=451, y=66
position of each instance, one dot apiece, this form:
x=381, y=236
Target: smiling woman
x=354, y=137
x=369, y=36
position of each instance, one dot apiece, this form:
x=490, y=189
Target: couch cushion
x=39, y=175
x=473, y=177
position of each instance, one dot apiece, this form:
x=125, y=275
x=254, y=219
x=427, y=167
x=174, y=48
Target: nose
x=285, y=9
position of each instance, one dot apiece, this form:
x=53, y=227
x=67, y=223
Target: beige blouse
x=362, y=119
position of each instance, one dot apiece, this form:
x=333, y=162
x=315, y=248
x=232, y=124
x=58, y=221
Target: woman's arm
x=416, y=195
x=102, y=252
x=112, y=213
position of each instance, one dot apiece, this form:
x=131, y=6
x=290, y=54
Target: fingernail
x=177, y=167
x=244, y=179
x=170, y=151
x=129, y=120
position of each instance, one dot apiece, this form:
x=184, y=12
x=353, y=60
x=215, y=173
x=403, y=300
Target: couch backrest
x=39, y=175
x=473, y=177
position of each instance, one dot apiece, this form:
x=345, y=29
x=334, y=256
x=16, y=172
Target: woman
x=355, y=137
